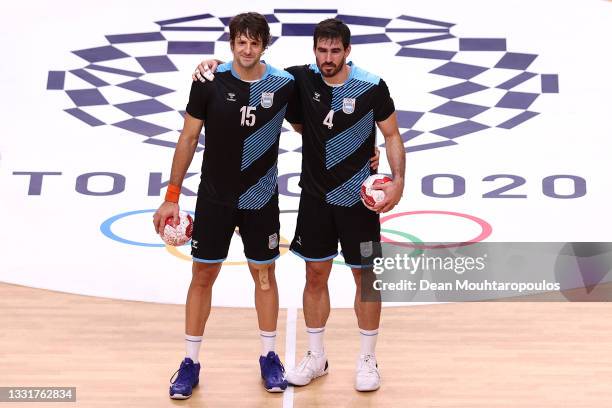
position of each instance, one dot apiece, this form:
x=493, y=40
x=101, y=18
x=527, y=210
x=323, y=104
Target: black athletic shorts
x=214, y=224
x=321, y=225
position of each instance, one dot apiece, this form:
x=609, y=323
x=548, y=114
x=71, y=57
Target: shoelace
x=369, y=362
x=181, y=371
x=305, y=361
x=274, y=361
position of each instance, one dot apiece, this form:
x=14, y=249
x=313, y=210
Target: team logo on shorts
x=267, y=98
x=348, y=105
x=194, y=244
x=366, y=249
x=273, y=241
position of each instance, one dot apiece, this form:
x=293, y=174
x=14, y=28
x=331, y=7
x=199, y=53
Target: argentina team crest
x=273, y=241
x=348, y=105
x=366, y=249
x=267, y=98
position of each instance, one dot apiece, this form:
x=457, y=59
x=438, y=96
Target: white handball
x=369, y=196
x=179, y=235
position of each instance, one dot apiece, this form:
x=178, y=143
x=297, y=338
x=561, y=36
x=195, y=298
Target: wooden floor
x=121, y=353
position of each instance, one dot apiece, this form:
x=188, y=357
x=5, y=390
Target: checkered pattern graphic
x=124, y=83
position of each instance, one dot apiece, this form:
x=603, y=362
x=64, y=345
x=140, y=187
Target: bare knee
x=364, y=275
x=204, y=275
x=316, y=277
x=263, y=275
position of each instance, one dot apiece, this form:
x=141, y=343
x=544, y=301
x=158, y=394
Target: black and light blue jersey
x=242, y=126
x=339, y=131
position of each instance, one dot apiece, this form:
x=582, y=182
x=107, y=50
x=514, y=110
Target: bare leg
x=368, y=313
x=266, y=295
x=316, y=293
x=199, y=297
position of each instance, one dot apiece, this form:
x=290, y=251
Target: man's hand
x=375, y=159
x=205, y=70
x=393, y=194
x=165, y=211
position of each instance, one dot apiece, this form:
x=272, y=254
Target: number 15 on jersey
x=248, y=116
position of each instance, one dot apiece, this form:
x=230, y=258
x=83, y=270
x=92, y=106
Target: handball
x=179, y=235
x=369, y=196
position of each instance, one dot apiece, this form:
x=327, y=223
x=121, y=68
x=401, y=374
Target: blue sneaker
x=272, y=372
x=188, y=378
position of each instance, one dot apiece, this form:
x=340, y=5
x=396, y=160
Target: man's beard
x=334, y=72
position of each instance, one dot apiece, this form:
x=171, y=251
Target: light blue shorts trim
x=269, y=261
x=208, y=261
x=327, y=258
x=359, y=266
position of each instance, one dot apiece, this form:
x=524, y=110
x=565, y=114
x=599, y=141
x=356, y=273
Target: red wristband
x=172, y=193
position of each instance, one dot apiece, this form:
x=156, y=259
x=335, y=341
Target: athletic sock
x=192, y=347
x=268, y=341
x=315, y=339
x=368, y=341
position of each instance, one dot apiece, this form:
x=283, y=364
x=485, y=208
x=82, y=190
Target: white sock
x=315, y=339
x=368, y=341
x=268, y=341
x=192, y=347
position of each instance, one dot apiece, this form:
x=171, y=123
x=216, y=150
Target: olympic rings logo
x=485, y=228
x=415, y=242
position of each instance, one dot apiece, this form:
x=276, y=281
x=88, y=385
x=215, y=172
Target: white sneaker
x=313, y=365
x=367, y=377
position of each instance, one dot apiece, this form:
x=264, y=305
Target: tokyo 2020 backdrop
x=503, y=111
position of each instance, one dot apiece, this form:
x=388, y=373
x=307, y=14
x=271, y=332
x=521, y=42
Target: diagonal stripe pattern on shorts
x=347, y=194
x=263, y=138
x=259, y=193
x=345, y=143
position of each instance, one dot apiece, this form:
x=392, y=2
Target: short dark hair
x=332, y=28
x=252, y=25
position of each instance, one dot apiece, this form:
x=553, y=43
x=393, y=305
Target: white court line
x=290, y=352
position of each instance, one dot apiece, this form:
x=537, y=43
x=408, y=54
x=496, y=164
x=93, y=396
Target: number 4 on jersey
x=248, y=116
x=329, y=119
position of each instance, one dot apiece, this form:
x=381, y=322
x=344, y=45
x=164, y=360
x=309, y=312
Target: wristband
x=172, y=193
